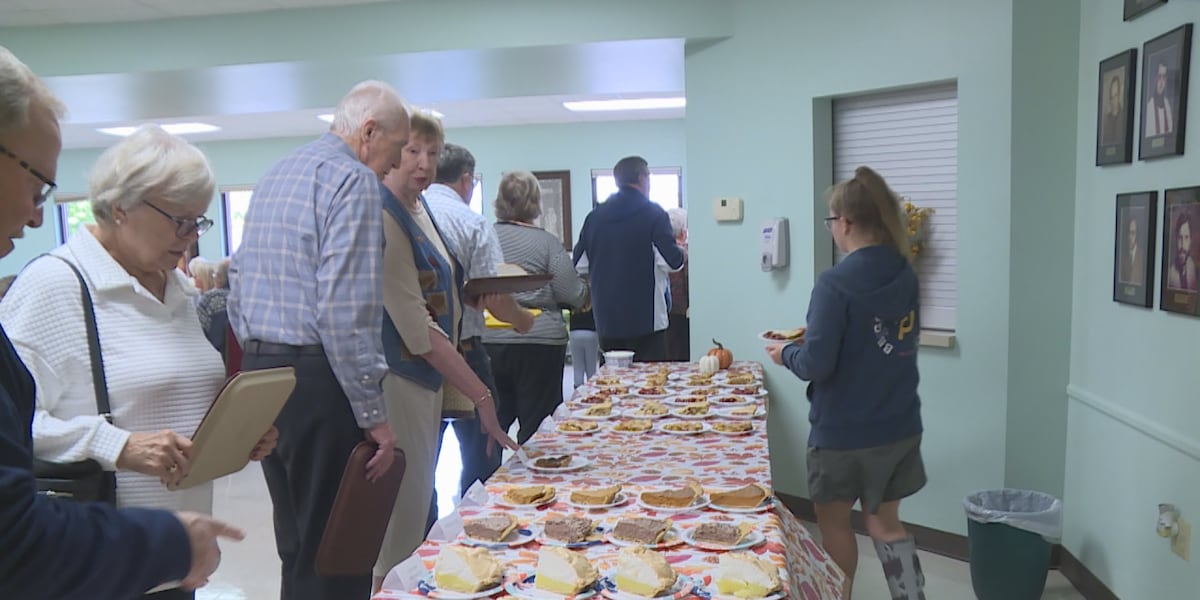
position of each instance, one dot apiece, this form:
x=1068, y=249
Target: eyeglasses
x=829, y=222
x=48, y=185
x=185, y=227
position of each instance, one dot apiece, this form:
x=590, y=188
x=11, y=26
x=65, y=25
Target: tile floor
x=250, y=569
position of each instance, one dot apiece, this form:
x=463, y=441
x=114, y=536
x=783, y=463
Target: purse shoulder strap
x=99, y=381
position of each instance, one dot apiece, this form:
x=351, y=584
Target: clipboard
x=359, y=517
x=243, y=411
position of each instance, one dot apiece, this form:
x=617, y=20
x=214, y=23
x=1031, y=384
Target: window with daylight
x=666, y=186
x=477, y=195
x=234, y=204
x=910, y=137
x=74, y=211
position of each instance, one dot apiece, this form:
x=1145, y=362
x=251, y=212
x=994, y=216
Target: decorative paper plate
x=716, y=428
x=673, y=537
x=518, y=537
x=703, y=428
x=730, y=414
x=755, y=538
x=595, y=539
x=586, y=427
x=577, y=463
x=502, y=501
x=618, y=500
x=698, y=504
x=524, y=586
x=731, y=400
x=428, y=587
x=683, y=586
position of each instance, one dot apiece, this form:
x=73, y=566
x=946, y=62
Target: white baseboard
x=1156, y=431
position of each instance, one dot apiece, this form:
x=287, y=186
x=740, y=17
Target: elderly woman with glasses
x=149, y=193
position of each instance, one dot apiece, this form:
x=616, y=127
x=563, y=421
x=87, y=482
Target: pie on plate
x=577, y=426
x=680, y=497
x=596, y=496
x=529, y=496
x=748, y=496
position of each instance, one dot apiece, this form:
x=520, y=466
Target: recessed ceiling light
x=327, y=117
x=625, y=104
x=172, y=128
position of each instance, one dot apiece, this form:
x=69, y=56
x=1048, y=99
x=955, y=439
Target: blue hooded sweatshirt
x=618, y=240
x=860, y=352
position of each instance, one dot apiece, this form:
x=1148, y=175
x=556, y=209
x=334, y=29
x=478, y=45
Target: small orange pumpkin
x=724, y=355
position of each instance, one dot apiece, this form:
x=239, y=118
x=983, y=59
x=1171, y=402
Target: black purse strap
x=99, y=381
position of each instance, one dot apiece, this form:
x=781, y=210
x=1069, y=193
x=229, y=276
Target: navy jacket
x=618, y=239
x=860, y=352
x=64, y=550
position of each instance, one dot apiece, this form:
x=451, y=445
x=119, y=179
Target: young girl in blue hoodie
x=859, y=355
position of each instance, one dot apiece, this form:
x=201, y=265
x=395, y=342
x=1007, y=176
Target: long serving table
x=639, y=462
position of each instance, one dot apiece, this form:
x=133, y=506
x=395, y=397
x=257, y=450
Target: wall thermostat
x=727, y=209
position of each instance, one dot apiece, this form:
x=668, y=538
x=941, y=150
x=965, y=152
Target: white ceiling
x=17, y=13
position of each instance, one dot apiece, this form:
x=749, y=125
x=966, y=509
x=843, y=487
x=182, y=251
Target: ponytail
x=868, y=202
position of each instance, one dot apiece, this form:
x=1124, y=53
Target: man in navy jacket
x=52, y=548
x=622, y=245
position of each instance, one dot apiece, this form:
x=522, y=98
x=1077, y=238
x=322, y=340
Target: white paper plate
x=679, y=414
x=729, y=414
x=683, y=586
x=755, y=538
x=559, y=429
x=741, y=400
x=577, y=463
x=583, y=416
x=698, y=504
x=639, y=394
x=580, y=404
x=502, y=501
x=732, y=390
x=673, y=537
x=428, y=587
x=703, y=429
x=633, y=414
x=618, y=500
x=597, y=539
x=763, y=506
x=624, y=432
x=523, y=586
x=714, y=429
x=679, y=400
x=519, y=537
x=763, y=336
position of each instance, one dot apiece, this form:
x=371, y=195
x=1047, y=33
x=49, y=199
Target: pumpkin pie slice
x=750, y=496
x=674, y=498
x=596, y=496
x=536, y=494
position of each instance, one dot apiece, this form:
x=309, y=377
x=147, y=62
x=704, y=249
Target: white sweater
x=162, y=372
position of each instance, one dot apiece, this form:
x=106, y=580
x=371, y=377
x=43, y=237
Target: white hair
x=20, y=89
x=202, y=271
x=366, y=101
x=151, y=164
x=678, y=218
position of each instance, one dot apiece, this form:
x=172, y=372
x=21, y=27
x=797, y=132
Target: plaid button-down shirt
x=308, y=270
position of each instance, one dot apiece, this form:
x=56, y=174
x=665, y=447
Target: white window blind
x=910, y=137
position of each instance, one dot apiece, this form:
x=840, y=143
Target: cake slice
x=642, y=530
x=643, y=572
x=596, y=497
x=722, y=534
x=529, y=495
x=562, y=571
x=571, y=530
x=490, y=529
x=674, y=498
x=466, y=570
x=749, y=496
x=553, y=462
x=746, y=576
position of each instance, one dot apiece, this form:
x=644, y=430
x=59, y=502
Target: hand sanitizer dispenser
x=774, y=244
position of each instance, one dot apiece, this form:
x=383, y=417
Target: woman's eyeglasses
x=829, y=222
x=48, y=185
x=185, y=227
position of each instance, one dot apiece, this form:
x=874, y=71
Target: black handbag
x=85, y=480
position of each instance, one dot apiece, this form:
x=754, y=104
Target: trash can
x=1010, y=534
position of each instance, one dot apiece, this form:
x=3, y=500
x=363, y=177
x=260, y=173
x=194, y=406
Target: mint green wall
x=1131, y=439
x=1045, y=67
x=750, y=133
x=578, y=147
x=356, y=31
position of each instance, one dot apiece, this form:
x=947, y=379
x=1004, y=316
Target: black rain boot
x=902, y=568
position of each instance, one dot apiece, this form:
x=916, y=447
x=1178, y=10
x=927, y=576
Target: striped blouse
x=538, y=251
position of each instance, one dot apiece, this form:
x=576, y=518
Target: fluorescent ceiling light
x=328, y=117
x=625, y=104
x=172, y=128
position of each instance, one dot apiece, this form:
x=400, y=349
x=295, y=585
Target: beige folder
x=244, y=410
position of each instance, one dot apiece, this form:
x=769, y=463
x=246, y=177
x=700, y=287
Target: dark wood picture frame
x=1135, y=8
x=1133, y=248
x=1181, y=237
x=1165, y=59
x=556, y=204
x=1114, y=120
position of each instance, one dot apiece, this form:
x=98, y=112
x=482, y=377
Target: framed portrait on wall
x=1181, y=218
x=1114, y=108
x=1165, y=63
x=1133, y=251
x=1135, y=8
x=556, y=204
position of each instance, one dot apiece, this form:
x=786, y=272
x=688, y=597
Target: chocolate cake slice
x=571, y=530
x=642, y=530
